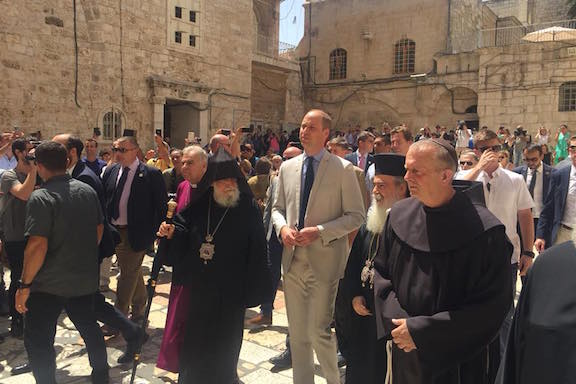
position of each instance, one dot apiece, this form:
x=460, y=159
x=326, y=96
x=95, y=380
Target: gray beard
x=377, y=214
x=227, y=199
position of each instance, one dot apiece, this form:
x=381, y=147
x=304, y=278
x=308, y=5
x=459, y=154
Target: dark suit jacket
x=353, y=158
x=146, y=205
x=554, y=204
x=547, y=172
x=110, y=237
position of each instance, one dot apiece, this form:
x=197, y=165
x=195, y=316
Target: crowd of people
x=408, y=246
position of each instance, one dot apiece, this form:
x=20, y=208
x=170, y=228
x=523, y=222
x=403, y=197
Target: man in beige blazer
x=317, y=203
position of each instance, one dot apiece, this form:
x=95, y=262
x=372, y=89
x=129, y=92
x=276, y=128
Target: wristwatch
x=23, y=285
x=528, y=253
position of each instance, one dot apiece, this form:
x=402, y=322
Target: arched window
x=112, y=124
x=567, y=97
x=404, y=56
x=338, y=64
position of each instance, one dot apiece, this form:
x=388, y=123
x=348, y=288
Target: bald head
x=74, y=146
x=219, y=140
x=291, y=152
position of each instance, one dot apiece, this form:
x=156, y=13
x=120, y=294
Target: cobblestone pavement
x=72, y=360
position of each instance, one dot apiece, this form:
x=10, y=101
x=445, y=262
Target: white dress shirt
x=570, y=208
x=508, y=194
x=123, y=217
x=538, y=189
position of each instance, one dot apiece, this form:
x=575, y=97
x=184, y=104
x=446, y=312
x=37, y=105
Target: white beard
x=228, y=198
x=377, y=214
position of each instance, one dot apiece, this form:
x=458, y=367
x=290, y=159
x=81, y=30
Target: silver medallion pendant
x=367, y=274
x=206, y=252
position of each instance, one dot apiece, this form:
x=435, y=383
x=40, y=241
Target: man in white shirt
x=463, y=135
x=508, y=198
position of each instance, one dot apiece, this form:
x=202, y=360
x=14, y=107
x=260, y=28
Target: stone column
x=158, y=114
x=204, y=123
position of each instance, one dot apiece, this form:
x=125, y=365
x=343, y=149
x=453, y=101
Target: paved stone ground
x=72, y=360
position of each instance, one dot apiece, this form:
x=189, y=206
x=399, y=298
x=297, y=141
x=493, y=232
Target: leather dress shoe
x=131, y=347
x=260, y=319
x=21, y=369
x=283, y=360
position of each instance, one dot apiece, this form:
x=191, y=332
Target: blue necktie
x=118, y=194
x=308, y=182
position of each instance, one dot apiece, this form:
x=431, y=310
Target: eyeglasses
x=122, y=150
x=495, y=148
x=468, y=163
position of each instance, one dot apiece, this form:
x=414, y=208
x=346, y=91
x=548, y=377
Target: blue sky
x=291, y=21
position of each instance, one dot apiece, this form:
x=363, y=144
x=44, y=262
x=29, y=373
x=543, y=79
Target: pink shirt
x=123, y=217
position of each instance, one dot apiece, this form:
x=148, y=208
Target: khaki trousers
x=310, y=309
x=131, y=290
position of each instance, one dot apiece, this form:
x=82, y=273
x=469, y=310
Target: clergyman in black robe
x=542, y=342
x=355, y=323
x=442, y=284
x=221, y=250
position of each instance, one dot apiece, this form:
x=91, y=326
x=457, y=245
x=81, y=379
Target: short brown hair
x=365, y=135
x=131, y=139
x=404, y=131
x=339, y=141
x=92, y=141
x=484, y=135
x=326, y=119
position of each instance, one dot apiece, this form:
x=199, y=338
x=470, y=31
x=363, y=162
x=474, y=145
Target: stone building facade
x=391, y=52
x=467, y=66
x=178, y=66
x=531, y=11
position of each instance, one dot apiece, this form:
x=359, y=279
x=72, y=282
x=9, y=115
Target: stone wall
x=368, y=31
x=531, y=11
x=465, y=21
x=550, y=10
x=520, y=85
x=118, y=51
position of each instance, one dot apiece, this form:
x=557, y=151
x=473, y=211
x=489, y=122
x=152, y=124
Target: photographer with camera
x=7, y=158
x=16, y=185
x=520, y=143
x=463, y=135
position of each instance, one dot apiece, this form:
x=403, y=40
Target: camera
x=519, y=132
x=30, y=158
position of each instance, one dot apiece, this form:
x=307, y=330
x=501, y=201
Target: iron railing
x=513, y=34
x=270, y=46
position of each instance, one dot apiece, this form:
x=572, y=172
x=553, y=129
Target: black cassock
x=236, y=278
x=365, y=354
x=447, y=271
x=542, y=343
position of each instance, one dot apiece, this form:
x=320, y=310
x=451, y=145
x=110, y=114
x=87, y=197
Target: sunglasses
x=495, y=148
x=468, y=163
x=122, y=150
x=531, y=159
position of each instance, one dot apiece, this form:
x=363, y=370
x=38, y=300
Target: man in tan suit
x=317, y=203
